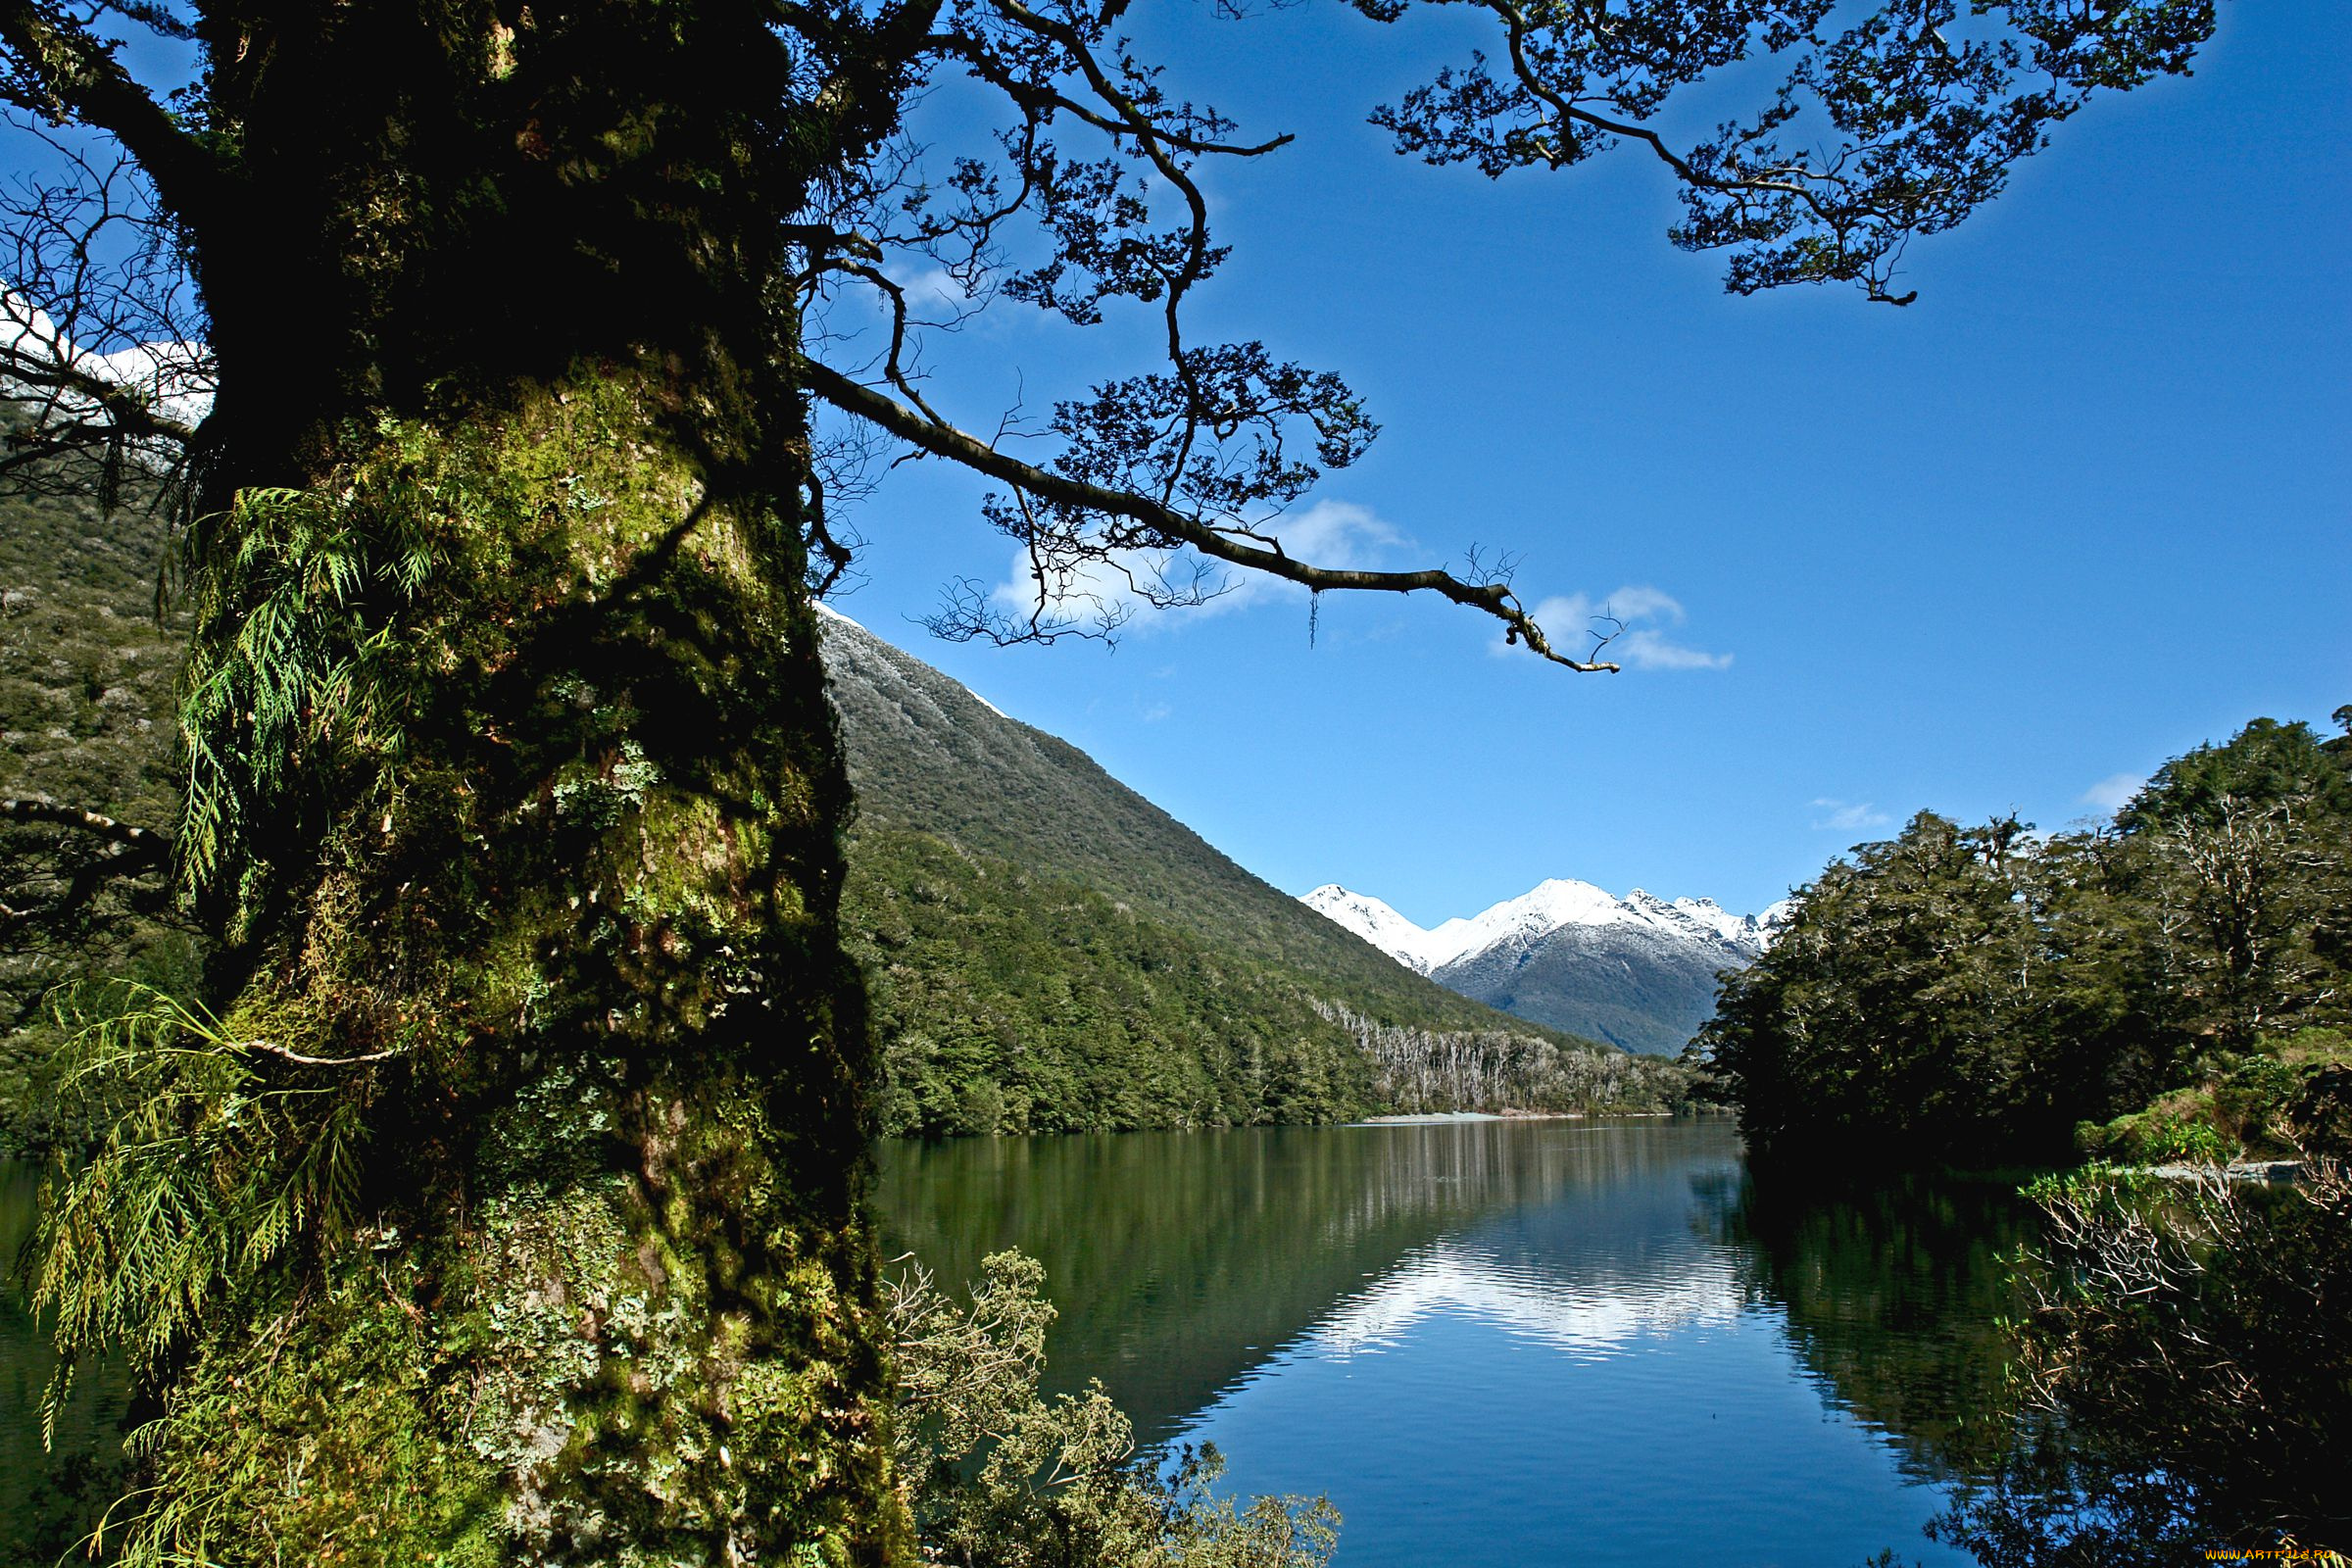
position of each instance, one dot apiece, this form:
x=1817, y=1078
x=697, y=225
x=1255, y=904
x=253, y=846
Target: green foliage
x=926, y=757
x=1000, y=1477
x=214, y=1162
x=297, y=676
x=1010, y=1002
x=1013, y=1003
x=1048, y=951
x=1974, y=995
x=2171, y=988
x=2276, y=1102
x=2187, y=1362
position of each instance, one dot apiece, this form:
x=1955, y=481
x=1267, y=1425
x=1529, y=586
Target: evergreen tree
x=1971, y=995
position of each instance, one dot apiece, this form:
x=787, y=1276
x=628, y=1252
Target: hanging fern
x=220, y=1155
x=294, y=676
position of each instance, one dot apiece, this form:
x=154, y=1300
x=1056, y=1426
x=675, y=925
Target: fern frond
x=294, y=671
x=213, y=1166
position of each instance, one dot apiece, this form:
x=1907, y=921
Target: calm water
x=45, y=1496
x=1503, y=1342
x=1494, y=1342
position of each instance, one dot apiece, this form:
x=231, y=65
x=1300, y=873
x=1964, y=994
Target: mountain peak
x=1368, y=918
x=1565, y=922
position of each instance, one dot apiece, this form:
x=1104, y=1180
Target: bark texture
x=515, y=788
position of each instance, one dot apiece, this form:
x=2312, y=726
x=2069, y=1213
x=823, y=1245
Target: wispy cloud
x=1849, y=817
x=1329, y=533
x=2114, y=792
x=1646, y=643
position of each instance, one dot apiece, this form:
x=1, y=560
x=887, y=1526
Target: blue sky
x=2080, y=508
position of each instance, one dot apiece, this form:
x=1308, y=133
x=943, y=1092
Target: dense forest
x=1981, y=995
x=1010, y=1002
x=1013, y=1002
x=2158, y=996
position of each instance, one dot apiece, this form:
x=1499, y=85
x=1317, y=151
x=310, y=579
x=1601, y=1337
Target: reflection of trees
x=2187, y=1339
x=2181, y=1379
x=50, y=1495
x=1180, y=1262
x=1892, y=1291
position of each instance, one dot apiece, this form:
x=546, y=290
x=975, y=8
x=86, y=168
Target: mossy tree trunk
x=516, y=794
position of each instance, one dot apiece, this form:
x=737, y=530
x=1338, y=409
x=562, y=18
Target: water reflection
x=1891, y=1291
x=51, y=1496
x=1512, y=1342
x=1182, y=1260
x=1588, y=1318
x=1496, y=1342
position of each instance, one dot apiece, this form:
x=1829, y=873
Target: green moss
x=559, y=861
x=2278, y=1100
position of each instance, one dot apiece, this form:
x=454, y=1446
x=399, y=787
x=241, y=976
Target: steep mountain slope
x=1049, y=950
x=1053, y=952
x=1638, y=971
x=86, y=717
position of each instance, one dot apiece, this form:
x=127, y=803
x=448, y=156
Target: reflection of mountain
x=1589, y=1318
x=1890, y=1292
x=1182, y=1262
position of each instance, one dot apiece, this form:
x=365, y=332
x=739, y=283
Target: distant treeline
x=1977, y=995
x=1491, y=1069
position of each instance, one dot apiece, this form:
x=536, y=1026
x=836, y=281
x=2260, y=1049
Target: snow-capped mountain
x=1638, y=971
x=1549, y=906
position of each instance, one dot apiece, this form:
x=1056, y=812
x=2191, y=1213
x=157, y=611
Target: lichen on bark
x=504, y=1185
x=552, y=902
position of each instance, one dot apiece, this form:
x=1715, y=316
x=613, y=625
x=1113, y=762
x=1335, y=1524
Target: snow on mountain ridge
x=1368, y=918
x=1549, y=906
x=1639, y=972
x=1715, y=917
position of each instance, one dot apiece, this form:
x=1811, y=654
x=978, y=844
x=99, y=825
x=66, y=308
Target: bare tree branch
x=135, y=844
x=1175, y=527
x=60, y=71
x=283, y=1054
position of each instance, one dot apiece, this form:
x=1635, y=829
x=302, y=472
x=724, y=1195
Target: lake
x=1496, y=1342
x=1509, y=1342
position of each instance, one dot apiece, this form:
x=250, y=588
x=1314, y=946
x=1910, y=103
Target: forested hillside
x=1979, y=994
x=86, y=679
x=1051, y=951
x=1048, y=951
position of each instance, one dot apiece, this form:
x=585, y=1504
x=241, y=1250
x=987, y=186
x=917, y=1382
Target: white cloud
x=1573, y=620
x=2114, y=792
x=1329, y=533
x=1849, y=817
x=933, y=294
